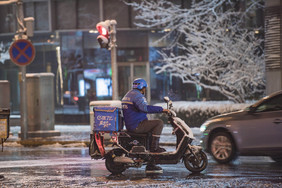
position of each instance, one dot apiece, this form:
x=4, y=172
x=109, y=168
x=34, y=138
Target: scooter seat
x=149, y=134
x=144, y=138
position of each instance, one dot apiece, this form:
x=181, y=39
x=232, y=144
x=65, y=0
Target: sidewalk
x=71, y=134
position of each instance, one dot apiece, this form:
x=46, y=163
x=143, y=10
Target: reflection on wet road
x=57, y=166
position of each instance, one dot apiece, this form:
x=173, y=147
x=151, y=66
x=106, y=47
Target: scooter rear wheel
x=113, y=167
x=193, y=165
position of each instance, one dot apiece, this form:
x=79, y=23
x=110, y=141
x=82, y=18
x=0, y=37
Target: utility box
x=40, y=105
x=4, y=94
x=4, y=123
x=4, y=110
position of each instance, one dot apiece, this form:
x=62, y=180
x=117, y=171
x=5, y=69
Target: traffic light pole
x=114, y=73
x=105, y=28
x=113, y=47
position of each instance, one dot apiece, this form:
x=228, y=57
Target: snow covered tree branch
x=4, y=52
x=215, y=49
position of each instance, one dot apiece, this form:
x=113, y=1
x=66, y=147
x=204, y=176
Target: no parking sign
x=22, y=52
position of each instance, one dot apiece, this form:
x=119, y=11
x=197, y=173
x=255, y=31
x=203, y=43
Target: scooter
x=132, y=149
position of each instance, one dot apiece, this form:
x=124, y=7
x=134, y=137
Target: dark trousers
x=153, y=126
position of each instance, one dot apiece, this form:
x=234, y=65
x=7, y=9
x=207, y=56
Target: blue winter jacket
x=135, y=109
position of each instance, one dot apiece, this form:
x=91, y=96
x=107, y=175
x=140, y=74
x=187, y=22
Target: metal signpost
x=22, y=53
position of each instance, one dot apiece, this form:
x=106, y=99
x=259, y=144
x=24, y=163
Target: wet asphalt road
x=57, y=166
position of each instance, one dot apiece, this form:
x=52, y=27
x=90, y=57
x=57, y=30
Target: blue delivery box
x=107, y=119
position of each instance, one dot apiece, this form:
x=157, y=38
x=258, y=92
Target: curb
x=36, y=143
x=31, y=143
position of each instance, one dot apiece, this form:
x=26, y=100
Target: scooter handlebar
x=171, y=113
x=169, y=106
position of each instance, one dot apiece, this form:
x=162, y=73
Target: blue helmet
x=139, y=83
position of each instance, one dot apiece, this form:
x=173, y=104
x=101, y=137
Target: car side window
x=273, y=104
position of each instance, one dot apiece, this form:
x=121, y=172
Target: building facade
x=273, y=45
x=66, y=45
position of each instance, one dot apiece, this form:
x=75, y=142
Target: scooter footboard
x=174, y=157
x=96, y=146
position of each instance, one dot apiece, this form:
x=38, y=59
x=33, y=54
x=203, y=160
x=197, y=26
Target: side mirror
x=251, y=109
x=166, y=99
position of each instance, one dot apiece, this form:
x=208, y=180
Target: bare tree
x=218, y=52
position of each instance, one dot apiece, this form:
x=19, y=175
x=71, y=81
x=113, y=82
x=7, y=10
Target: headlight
x=203, y=128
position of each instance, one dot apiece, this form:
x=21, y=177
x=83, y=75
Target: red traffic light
x=103, y=29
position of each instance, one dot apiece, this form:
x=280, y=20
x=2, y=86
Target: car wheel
x=277, y=159
x=222, y=147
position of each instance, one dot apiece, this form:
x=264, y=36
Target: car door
x=261, y=129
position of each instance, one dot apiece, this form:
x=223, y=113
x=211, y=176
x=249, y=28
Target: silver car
x=254, y=131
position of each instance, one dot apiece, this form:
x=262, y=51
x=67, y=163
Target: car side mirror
x=251, y=109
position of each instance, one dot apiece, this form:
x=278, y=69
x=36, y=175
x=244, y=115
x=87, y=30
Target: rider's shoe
x=153, y=169
x=155, y=145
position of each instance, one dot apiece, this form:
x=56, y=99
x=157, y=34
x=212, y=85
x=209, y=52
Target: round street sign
x=22, y=52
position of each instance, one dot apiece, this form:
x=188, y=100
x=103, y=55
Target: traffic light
x=103, y=28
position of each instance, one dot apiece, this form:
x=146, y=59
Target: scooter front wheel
x=113, y=167
x=194, y=164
